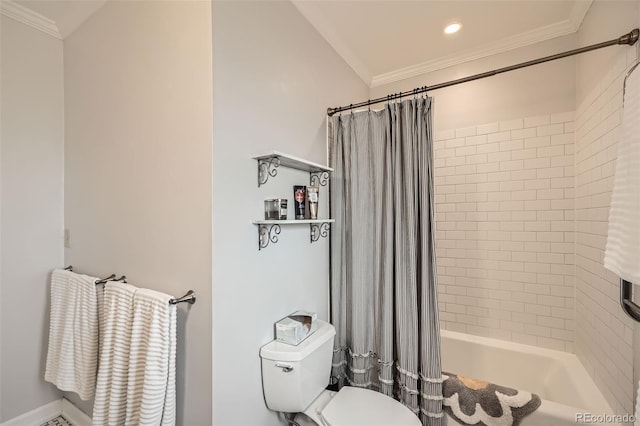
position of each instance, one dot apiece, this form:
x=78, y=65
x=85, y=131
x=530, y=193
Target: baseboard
x=48, y=411
x=74, y=414
x=37, y=416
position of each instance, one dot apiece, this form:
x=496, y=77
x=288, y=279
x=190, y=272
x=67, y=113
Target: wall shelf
x=268, y=230
x=268, y=167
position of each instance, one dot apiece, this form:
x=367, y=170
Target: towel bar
x=190, y=297
x=626, y=300
x=104, y=280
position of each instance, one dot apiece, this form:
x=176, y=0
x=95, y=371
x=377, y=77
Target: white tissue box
x=296, y=327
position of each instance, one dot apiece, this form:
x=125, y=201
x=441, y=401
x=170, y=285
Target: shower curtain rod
x=630, y=39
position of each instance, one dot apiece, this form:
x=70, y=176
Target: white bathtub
x=557, y=377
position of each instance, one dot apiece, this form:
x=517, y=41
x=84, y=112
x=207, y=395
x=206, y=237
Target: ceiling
x=382, y=40
x=386, y=41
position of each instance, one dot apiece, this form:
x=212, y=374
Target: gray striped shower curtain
x=383, y=279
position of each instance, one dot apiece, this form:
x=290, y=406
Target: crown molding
x=558, y=29
x=548, y=32
x=27, y=16
x=326, y=30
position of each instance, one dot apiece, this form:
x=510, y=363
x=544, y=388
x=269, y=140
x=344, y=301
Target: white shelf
x=292, y=222
x=292, y=162
x=268, y=164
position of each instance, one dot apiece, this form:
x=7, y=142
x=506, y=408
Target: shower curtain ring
x=351, y=108
x=369, y=104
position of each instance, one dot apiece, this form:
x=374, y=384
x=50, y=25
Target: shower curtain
x=383, y=277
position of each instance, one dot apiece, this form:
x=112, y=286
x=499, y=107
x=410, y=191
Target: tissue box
x=296, y=327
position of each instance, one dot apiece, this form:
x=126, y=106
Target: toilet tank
x=293, y=376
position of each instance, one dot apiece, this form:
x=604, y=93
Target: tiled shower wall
x=505, y=229
x=604, y=336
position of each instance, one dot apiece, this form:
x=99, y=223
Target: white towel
x=136, y=378
x=622, y=254
x=109, y=407
x=73, y=333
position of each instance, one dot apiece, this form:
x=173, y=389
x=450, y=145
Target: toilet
x=294, y=379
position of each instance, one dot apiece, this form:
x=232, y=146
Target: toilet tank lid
x=278, y=351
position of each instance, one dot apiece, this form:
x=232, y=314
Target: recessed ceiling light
x=453, y=27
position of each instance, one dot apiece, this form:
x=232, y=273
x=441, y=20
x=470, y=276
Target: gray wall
x=32, y=154
x=138, y=165
x=274, y=76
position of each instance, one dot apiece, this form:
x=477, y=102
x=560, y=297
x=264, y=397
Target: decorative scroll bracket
x=267, y=234
x=267, y=167
x=318, y=230
x=318, y=178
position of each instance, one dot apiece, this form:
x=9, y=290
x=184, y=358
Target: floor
x=58, y=421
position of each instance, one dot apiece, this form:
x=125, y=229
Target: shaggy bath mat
x=475, y=402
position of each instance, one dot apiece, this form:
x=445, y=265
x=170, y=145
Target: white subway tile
x=476, y=140
x=502, y=246
x=537, y=163
x=498, y=137
x=562, y=139
x=552, y=129
x=466, y=150
x=511, y=165
x=454, y=143
x=537, y=142
x=511, y=145
x=523, y=154
x=488, y=147
x=476, y=159
x=524, y=174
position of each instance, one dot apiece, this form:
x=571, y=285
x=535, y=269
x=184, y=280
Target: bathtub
x=557, y=377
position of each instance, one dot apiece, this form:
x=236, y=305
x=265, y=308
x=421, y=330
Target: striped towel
x=623, y=240
x=109, y=407
x=136, y=378
x=73, y=333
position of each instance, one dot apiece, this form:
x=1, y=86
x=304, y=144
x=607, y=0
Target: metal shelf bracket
x=267, y=167
x=318, y=178
x=318, y=230
x=267, y=234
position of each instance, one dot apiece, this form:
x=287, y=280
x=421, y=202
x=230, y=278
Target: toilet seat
x=356, y=406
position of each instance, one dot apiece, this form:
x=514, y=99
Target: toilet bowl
x=294, y=379
x=353, y=406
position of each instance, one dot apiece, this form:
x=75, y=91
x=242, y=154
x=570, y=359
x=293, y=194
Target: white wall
x=138, y=165
x=504, y=220
x=274, y=76
x=604, y=334
x=32, y=155
x=542, y=89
